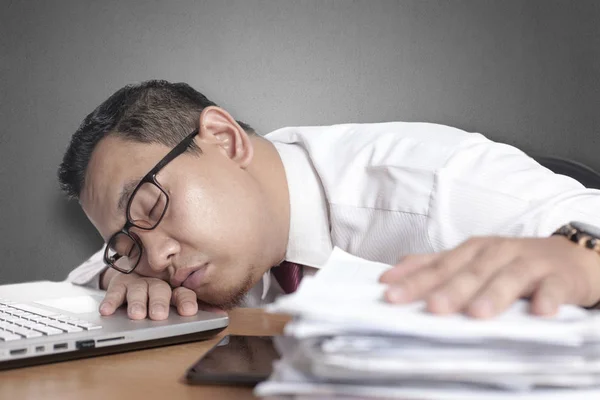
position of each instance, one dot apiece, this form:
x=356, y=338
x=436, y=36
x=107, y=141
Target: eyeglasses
x=146, y=207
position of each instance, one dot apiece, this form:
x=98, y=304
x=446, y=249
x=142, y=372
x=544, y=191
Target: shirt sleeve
x=88, y=273
x=489, y=188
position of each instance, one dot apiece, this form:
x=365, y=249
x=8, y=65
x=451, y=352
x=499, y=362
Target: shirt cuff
x=88, y=273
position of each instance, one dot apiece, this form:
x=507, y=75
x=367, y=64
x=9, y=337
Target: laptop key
x=4, y=315
x=8, y=336
x=28, y=324
x=65, y=327
x=25, y=332
x=16, y=312
x=41, y=329
x=46, y=329
x=76, y=321
x=71, y=321
x=88, y=326
x=59, y=325
x=35, y=310
x=34, y=317
x=12, y=318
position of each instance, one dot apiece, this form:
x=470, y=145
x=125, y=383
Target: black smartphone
x=235, y=360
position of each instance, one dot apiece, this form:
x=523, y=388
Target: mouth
x=194, y=279
x=189, y=277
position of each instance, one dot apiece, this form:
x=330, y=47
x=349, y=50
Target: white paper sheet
x=345, y=296
x=344, y=334
x=288, y=382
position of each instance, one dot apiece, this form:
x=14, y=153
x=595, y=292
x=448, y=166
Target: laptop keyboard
x=23, y=321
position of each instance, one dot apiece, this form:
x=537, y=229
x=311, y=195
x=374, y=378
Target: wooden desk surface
x=148, y=374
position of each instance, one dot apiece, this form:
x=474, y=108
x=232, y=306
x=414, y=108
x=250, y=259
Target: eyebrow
x=126, y=193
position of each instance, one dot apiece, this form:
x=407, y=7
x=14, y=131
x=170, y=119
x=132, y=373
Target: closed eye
x=154, y=208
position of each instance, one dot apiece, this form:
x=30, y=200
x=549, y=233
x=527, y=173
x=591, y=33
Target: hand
x=146, y=296
x=484, y=276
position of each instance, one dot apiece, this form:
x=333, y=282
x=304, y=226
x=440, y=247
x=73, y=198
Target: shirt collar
x=309, y=241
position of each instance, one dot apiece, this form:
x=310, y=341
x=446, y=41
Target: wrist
x=587, y=237
x=592, y=262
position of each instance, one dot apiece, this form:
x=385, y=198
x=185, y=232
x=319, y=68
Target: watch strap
x=577, y=233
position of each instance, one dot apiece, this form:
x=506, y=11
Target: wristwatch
x=584, y=235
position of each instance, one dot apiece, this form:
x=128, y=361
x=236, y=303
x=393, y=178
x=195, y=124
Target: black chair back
x=581, y=172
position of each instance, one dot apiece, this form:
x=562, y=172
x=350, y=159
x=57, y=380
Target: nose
x=159, y=249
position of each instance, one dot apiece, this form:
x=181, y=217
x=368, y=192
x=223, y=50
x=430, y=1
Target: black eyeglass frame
x=150, y=177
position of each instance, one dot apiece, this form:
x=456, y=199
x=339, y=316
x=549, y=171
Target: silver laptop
x=43, y=322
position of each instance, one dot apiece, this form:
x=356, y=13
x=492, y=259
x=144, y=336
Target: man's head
x=226, y=215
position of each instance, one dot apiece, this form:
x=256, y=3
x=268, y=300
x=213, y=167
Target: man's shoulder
x=395, y=130
x=410, y=144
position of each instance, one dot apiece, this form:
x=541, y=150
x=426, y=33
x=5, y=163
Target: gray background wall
x=522, y=72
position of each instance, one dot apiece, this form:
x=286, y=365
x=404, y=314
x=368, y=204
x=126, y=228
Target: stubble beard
x=236, y=296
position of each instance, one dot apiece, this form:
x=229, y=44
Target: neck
x=267, y=168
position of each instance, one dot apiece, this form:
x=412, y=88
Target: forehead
x=114, y=163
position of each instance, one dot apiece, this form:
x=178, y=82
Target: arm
x=491, y=213
x=90, y=271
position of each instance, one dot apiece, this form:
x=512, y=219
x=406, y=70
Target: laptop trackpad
x=76, y=305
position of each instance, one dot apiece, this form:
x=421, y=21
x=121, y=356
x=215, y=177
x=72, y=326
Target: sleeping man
x=198, y=210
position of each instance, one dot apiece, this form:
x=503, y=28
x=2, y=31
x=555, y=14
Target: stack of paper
x=346, y=342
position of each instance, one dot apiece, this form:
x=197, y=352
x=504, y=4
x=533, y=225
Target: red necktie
x=288, y=276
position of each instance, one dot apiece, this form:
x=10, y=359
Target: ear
x=219, y=128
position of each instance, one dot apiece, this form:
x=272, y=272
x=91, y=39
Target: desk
x=143, y=374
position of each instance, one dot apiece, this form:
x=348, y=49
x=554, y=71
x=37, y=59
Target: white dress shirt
x=382, y=191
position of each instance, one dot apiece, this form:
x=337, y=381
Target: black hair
x=154, y=111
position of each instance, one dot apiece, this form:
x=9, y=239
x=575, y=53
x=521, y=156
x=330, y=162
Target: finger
x=511, y=282
x=159, y=297
x=406, y=266
x=185, y=300
x=421, y=282
x=137, y=299
x=114, y=297
x=550, y=294
x=452, y=296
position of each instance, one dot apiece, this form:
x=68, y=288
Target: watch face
x=591, y=230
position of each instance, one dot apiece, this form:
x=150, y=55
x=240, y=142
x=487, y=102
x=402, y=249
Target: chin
x=226, y=299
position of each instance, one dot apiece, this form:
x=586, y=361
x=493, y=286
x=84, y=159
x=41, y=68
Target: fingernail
x=396, y=295
x=188, y=308
x=105, y=308
x=137, y=309
x=482, y=308
x=158, y=309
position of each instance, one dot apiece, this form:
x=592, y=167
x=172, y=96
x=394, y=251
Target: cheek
x=222, y=222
